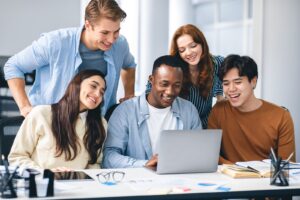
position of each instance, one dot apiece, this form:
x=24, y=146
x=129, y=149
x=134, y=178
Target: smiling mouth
x=234, y=96
x=191, y=58
x=168, y=99
x=92, y=99
x=106, y=45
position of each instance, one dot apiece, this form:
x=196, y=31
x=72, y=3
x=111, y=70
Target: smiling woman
x=66, y=135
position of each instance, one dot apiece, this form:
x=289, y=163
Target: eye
x=181, y=50
x=225, y=83
x=104, y=32
x=164, y=84
x=93, y=86
x=193, y=45
x=177, y=86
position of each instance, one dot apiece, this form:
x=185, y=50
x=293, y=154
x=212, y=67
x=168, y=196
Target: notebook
x=188, y=151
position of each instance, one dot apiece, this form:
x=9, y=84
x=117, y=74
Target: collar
x=144, y=109
x=83, y=115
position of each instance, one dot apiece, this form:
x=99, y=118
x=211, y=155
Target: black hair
x=168, y=60
x=244, y=64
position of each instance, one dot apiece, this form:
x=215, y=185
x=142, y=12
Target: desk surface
x=141, y=183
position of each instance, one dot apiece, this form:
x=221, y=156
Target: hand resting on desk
x=152, y=162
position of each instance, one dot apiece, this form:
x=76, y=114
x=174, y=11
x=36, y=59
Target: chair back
x=9, y=127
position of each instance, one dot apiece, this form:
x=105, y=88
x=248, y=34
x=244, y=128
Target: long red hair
x=205, y=65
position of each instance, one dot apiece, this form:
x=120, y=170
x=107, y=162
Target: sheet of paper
x=175, y=185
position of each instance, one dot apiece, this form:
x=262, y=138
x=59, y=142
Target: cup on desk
x=280, y=173
x=41, y=186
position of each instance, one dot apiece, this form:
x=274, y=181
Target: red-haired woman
x=201, y=82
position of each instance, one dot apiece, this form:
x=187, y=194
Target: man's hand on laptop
x=152, y=162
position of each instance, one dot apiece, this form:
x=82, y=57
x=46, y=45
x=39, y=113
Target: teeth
x=92, y=99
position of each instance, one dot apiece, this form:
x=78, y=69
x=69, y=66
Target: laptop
x=188, y=151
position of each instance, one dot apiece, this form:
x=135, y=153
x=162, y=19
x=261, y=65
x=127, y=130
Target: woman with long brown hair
x=68, y=134
x=201, y=82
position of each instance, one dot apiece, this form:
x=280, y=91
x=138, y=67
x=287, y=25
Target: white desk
x=239, y=188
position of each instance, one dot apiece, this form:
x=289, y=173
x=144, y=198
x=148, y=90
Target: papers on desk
x=174, y=185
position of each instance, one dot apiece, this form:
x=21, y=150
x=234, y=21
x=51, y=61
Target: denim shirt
x=55, y=57
x=128, y=142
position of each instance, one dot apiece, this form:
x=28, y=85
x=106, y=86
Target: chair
x=9, y=127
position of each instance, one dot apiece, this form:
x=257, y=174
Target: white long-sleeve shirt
x=35, y=145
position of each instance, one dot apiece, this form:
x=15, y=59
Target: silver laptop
x=188, y=151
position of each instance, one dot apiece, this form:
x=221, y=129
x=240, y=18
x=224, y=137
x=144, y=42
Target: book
x=249, y=169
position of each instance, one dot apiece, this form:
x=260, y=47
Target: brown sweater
x=250, y=135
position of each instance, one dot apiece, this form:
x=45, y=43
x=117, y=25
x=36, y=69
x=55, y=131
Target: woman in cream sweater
x=66, y=135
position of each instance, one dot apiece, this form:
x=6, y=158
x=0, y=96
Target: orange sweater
x=250, y=135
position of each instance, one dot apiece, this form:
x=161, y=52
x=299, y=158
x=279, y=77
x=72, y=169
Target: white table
x=162, y=187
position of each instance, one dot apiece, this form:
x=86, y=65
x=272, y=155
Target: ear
x=254, y=82
x=151, y=79
x=87, y=25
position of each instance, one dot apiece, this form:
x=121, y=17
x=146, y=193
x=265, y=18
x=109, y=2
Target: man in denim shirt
x=58, y=55
x=135, y=125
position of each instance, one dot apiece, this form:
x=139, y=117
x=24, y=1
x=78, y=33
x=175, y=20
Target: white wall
x=22, y=21
x=281, y=51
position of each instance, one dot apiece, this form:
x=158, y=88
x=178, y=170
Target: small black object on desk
x=7, y=188
x=31, y=184
x=279, y=170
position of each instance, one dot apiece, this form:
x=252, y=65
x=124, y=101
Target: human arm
x=127, y=71
x=25, y=143
x=128, y=79
x=214, y=124
x=17, y=88
x=117, y=144
x=218, y=87
x=29, y=59
x=286, y=137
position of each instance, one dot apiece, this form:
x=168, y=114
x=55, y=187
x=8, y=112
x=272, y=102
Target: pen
x=5, y=164
x=273, y=154
x=290, y=156
x=11, y=177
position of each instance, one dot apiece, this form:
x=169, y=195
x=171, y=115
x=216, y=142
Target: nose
x=170, y=91
x=188, y=51
x=111, y=38
x=231, y=87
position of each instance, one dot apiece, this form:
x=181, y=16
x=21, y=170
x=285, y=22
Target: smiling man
x=251, y=126
x=59, y=55
x=135, y=125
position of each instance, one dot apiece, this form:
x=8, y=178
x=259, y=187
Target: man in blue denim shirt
x=135, y=125
x=58, y=55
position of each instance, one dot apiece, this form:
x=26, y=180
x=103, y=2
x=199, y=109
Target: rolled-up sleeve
x=32, y=57
x=129, y=61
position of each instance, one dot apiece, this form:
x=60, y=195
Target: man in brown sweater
x=251, y=126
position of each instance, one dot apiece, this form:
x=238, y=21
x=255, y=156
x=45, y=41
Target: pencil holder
x=8, y=186
x=280, y=173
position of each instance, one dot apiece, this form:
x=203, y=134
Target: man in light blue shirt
x=135, y=125
x=58, y=55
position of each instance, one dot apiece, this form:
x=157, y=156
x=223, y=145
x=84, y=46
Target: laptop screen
x=189, y=151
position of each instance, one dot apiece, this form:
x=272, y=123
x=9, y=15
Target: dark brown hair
x=205, y=65
x=64, y=116
x=109, y=9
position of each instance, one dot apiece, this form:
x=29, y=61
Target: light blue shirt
x=128, y=142
x=55, y=57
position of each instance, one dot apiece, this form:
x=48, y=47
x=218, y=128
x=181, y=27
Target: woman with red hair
x=201, y=82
